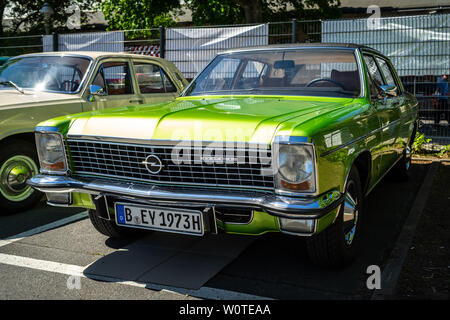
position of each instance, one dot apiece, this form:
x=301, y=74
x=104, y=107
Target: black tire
x=14, y=149
x=330, y=248
x=110, y=228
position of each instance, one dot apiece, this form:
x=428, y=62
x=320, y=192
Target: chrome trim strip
x=161, y=142
x=281, y=206
x=326, y=153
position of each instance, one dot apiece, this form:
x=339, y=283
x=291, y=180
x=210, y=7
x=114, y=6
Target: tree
x=256, y=11
x=26, y=14
x=207, y=12
x=144, y=14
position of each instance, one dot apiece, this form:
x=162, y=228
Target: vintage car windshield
x=300, y=72
x=45, y=73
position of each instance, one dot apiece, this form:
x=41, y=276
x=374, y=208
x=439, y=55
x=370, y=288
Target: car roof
x=303, y=45
x=91, y=54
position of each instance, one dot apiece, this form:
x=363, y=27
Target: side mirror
x=96, y=90
x=389, y=90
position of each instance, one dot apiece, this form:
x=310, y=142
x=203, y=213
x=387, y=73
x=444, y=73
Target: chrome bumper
x=280, y=206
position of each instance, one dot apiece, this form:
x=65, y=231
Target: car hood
x=11, y=98
x=243, y=119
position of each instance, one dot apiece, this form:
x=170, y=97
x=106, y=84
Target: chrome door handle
x=136, y=101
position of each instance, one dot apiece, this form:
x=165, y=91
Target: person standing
x=442, y=92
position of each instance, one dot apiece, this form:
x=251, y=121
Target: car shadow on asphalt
x=273, y=265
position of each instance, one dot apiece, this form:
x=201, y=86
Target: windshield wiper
x=12, y=84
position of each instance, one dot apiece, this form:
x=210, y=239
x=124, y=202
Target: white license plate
x=159, y=218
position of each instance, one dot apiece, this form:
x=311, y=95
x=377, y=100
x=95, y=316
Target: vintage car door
x=399, y=102
x=388, y=114
x=154, y=83
x=114, y=77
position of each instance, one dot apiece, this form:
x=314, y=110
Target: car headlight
x=295, y=168
x=50, y=147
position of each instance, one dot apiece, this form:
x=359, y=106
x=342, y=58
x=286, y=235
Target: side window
x=152, y=79
x=373, y=70
x=387, y=72
x=168, y=85
x=114, y=78
x=252, y=74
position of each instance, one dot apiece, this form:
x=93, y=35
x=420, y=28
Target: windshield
x=302, y=72
x=45, y=73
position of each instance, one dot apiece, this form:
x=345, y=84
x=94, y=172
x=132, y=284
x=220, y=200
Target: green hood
x=244, y=119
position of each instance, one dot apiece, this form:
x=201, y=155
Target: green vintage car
x=36, y=87
x=270, y=139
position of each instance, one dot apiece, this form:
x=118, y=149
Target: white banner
x=92, y=41
x=192, y=48
x=417, y=45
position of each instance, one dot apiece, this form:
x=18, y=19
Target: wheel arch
x=27, y=136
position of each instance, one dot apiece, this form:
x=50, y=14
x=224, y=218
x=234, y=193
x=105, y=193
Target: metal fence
x=13, y=46
x=419, y=47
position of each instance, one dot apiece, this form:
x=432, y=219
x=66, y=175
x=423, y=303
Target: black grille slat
x=124, y=161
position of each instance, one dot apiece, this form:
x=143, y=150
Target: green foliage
x=419, y=143
x=445, y=151
x=26, y=14
x=210, y=12
x=238, y=11
x=278, y=10
x=144, y=14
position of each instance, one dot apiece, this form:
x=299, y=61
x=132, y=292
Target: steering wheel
x=325, y=79
x=72, y=85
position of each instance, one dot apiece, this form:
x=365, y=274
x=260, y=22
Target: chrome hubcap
x=14, y=174
x=350, y=213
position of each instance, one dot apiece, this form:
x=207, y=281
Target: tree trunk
x=2, y=12
x=253, y=10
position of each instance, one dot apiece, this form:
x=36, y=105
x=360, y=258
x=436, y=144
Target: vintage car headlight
x=295, y=168
x=51, y=153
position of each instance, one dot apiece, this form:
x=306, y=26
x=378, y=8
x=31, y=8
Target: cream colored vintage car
x=36, y=87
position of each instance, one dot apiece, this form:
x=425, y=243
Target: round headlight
x=295, y=163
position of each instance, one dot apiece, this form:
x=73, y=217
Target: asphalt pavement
x=55, y=253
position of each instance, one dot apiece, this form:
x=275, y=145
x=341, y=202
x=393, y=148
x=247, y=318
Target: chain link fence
x=419, y=47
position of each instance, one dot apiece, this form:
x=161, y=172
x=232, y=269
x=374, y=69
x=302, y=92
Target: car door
x=115, y=78
x=399, y=105
x=154, y=83
x=387, y=111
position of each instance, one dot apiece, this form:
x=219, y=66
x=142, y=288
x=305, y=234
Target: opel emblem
x=153, y=164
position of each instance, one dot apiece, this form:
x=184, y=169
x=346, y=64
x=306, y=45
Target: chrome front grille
x=126, y=161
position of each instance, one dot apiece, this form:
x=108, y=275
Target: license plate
x=159, y=218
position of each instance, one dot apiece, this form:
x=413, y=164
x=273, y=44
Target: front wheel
x=18, y=163
x=109, y=228
x=337, y=245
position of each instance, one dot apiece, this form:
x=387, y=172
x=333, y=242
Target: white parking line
x=49, y=226
x=73, y=270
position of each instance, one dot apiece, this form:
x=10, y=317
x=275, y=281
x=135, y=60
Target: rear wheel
x=337, y=245
x=18, y=163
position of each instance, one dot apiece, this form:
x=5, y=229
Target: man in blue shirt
x=442, y=92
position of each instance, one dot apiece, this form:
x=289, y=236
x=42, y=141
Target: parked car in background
x=271, y=139
x=40, y=86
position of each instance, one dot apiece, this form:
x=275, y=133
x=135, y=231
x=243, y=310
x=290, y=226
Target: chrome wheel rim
x=14, y=174
x=351, y=213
